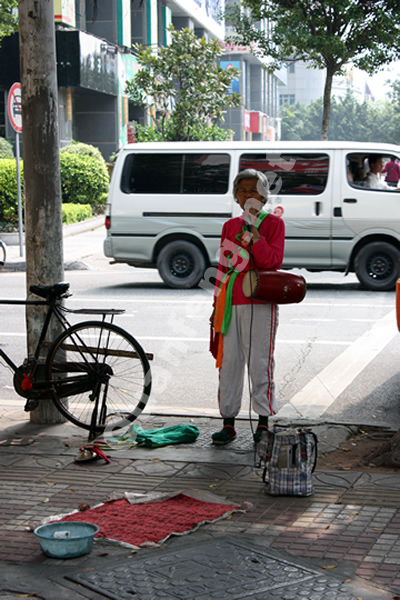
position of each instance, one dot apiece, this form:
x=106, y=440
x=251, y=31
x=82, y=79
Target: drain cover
x=224, y=570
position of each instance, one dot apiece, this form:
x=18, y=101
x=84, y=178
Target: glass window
x=152, y=174
x=294, y=173
x=206, y=173
x=385, y=175
x=287, y=99
x=165, y=173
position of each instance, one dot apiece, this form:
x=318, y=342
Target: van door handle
x=317, y=208
x=350, y=200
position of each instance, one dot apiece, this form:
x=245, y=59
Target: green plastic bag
x=164, y=436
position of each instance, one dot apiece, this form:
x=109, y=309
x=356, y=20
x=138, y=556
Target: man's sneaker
x=226, y=435
x=258, y=433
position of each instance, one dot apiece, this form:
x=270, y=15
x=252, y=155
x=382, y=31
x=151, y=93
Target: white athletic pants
x=235, y=358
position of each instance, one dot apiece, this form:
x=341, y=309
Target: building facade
x=95, y=59
x=305, y=84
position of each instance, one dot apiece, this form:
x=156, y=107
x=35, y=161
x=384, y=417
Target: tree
x=327, y=35
x=184, y=88
x=350, y=120
x=42, y=183
x=8, y=17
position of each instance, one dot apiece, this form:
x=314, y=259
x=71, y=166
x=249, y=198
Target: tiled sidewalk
x=329, y=530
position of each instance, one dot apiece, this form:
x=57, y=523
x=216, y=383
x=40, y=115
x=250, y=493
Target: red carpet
x=136, y=524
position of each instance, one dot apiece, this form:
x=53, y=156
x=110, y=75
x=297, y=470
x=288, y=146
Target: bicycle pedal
x=31, y=405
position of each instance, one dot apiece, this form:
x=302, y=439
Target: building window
x=287, y=99
x=291, y=67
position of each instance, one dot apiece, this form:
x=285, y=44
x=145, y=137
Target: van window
x=358, y=170
x=292, y=173
x=166, y=173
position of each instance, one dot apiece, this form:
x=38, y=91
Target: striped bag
x=289, y=457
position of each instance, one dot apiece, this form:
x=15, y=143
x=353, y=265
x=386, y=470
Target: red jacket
x=267, y=252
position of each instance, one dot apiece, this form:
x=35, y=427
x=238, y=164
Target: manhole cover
x=226, y=569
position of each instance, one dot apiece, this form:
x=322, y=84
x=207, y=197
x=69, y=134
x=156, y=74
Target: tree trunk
x=42, y=183
x=327, y=103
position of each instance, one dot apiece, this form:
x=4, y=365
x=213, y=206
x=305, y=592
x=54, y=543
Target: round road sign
x=15, y=107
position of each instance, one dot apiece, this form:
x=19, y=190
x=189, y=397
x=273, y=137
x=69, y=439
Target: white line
x=206, y=340
x=192, y=300
x=316, y=397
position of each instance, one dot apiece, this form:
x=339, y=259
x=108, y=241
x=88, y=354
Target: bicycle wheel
x=100, y=376
x=3, y=253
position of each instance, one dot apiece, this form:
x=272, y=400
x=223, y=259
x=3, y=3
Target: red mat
x=136, y=524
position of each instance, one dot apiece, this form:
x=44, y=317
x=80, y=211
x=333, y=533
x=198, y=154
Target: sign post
x=15, y=116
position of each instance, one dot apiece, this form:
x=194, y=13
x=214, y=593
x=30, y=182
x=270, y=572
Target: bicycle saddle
x=50, y=292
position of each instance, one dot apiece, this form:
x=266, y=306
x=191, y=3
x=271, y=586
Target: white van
x=168, y=201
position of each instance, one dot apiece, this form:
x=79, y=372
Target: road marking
x=317, y=396
x=203, y=340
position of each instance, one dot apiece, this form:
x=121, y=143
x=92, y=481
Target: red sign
x=15, y=107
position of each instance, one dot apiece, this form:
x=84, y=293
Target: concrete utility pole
x=42, y=182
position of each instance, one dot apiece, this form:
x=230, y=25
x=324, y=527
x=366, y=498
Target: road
x=337, y=354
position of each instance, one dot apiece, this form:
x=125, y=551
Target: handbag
x=289, y=458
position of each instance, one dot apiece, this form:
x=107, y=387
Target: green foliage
x=188, y=90
x=8, y=17
x=199, y=133
x=74, y=213
x=83, y=178
x=327, y=35
x=375, y=122
x=9, y=193
x=84, y=181
x=83, y=150
x=6, y=149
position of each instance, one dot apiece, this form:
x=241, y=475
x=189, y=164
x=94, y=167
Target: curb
x=17, y=263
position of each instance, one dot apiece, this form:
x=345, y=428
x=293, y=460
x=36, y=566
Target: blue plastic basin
x=67, y=539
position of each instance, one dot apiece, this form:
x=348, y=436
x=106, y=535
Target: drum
x=279, y=287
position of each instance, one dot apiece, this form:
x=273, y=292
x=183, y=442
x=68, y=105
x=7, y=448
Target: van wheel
x=181, y=264
x=377, y=266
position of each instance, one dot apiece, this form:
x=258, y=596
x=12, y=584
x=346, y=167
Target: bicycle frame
x=54, y=308
x=76, y=367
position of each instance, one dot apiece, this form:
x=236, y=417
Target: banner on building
x=64, y=12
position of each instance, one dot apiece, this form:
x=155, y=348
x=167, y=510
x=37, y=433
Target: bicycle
x=3, y=253
x=96, y=373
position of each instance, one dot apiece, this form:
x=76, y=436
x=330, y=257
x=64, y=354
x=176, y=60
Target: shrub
x=74, y=213
x=9, y=194
x=83, y=150
x=6, y=149
x=83, y=179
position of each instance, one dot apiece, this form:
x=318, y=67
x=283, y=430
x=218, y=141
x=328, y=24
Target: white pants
x=237, y=343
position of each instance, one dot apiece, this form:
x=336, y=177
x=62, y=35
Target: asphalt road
x=337, y=354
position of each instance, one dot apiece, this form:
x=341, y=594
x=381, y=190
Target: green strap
x=232, y=274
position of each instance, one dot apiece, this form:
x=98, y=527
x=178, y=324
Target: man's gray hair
x=262, y=184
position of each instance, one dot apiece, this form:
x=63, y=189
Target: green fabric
x=232, y=274
x=163, y=436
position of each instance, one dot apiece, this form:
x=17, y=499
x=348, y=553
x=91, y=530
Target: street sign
x=15, y=107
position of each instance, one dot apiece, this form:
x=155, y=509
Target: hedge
x=84, y=180
x=9, y=194
x=73, y=213
x=83, y=150
x=6, y=148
